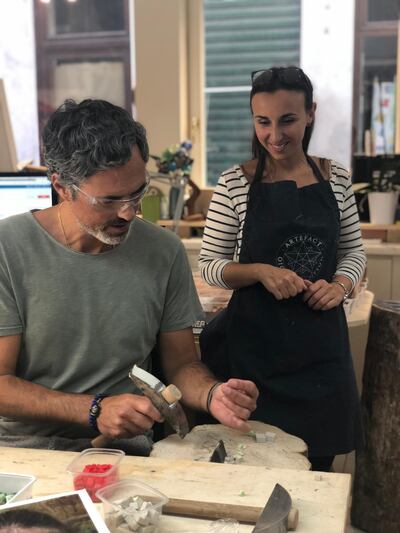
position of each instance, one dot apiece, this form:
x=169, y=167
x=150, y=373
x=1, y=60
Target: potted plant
x=382, y=194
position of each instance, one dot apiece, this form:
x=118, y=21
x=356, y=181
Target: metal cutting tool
x=277, y=515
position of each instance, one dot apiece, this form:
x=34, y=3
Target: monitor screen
x=22, y=192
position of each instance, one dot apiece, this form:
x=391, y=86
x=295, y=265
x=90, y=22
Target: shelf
x=385, y=232
x=368, y=225
x=183, y=223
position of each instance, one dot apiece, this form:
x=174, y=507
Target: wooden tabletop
x=322, y=499
x=212, y=298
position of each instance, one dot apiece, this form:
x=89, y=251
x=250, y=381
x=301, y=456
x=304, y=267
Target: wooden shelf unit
x=386, y=232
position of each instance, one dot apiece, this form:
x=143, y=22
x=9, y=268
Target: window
x=375, y=56
x=85, y=16
x=378, y=10
x=241, y=36
x=83, y=51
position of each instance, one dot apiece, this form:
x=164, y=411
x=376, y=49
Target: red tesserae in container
x=93, y=483
x=94, y=469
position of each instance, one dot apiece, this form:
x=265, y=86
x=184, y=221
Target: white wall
x=18, y=69
x=161, y=93
x=169, y=54
x=327, y=53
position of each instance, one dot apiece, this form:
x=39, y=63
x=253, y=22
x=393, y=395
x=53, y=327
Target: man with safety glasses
x=87, y=289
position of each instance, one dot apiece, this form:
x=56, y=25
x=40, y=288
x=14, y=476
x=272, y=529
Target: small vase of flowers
x=176, y=163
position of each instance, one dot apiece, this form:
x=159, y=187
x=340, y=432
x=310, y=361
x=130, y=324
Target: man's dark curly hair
x=82, y=139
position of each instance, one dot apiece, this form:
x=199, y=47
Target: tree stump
x=285, y=451
x=376, y=493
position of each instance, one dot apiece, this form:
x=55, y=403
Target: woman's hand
x=233, y=402
x=322, y=296
x=281, y=282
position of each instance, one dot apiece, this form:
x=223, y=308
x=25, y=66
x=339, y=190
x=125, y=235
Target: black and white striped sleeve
x=220, y=233
x=351, y=258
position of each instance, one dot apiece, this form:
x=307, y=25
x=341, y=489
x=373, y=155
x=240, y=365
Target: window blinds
x=241, y=36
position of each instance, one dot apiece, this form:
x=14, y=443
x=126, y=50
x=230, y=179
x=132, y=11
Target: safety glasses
x=117, y=204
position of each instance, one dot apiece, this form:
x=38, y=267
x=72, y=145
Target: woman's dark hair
x=270, y=81
x=28, y=519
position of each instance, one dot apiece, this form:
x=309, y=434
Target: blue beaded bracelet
x=95, y=410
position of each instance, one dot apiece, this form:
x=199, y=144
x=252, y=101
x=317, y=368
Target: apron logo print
x=304, y=254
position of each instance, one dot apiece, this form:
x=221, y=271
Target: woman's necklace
x=62, y=226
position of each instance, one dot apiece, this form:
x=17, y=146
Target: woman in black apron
x=285, y=329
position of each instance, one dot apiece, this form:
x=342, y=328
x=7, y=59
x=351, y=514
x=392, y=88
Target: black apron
x=299, y=358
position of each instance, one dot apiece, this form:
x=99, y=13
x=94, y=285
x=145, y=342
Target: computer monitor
x=22, y=191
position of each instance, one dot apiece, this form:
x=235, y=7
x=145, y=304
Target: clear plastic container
x=133, y=505
x=17, y=484
x=94, y=469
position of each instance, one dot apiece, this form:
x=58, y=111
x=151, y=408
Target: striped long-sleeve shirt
x=227, y=212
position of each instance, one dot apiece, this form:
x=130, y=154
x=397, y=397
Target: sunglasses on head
x=288, y=75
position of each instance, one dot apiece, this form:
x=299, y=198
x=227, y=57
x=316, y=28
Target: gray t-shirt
x=85, y=319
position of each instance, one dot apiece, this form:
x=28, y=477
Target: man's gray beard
x=101, y=235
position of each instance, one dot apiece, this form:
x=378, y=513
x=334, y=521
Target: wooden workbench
x=322, y=499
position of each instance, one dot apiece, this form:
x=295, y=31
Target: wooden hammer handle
x=171, y=394
x=211, y=510
x=214, y=511
x=293, y=519
x=100, y=441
